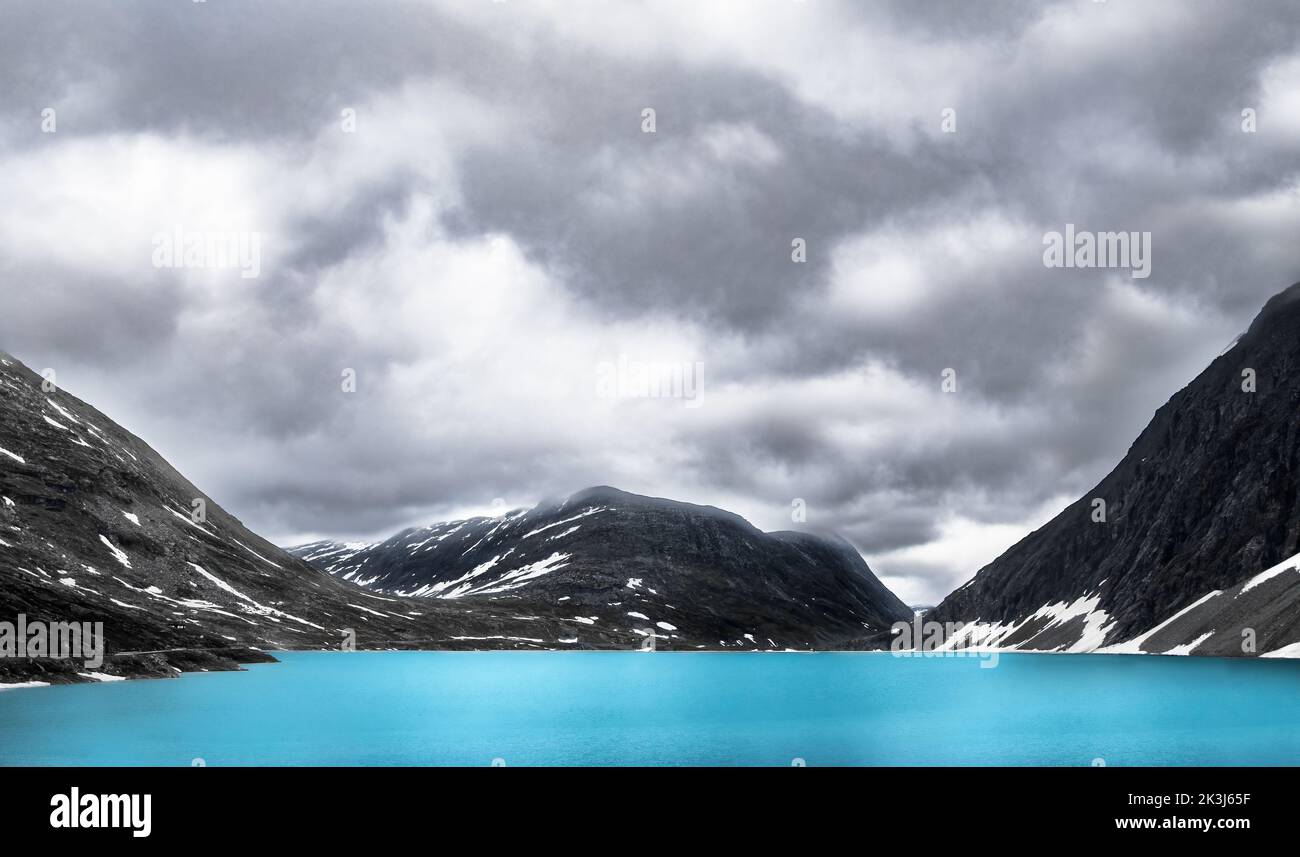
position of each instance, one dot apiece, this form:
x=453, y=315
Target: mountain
x=1198, y=550
x=96, y=526
x=693, y=576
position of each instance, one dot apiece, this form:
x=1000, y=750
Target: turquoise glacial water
x=625, y=708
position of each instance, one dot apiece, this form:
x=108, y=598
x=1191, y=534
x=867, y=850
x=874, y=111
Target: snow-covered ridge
x=450, y=542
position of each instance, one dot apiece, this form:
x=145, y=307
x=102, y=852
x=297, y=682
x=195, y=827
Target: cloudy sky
x=461, y=202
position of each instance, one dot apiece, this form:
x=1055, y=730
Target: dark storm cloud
x=521, y=123
x=722, y=255
x=233, y=70
x=97, y=316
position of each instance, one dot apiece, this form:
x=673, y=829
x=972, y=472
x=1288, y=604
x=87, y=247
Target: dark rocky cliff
x=1204, y=501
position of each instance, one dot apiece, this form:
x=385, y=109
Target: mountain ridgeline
x=1197, y=552
x=95, y=526
x=691, y=576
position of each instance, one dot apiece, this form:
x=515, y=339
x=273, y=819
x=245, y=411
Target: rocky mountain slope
x=1198, y=550
x=95, y=526
x=691, y=576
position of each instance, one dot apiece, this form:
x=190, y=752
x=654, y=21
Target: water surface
x=625, y=708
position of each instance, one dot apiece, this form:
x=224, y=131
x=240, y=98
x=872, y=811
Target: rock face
x=1197, y=553
x=690, y=575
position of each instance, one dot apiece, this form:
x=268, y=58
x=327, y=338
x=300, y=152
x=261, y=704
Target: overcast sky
x=491, y=227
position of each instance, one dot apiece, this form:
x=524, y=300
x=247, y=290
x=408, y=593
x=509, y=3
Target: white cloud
x=1278, y=114
x=892, y=274
x=962, y=547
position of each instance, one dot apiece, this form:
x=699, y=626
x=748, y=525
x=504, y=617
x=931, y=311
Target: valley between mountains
x=1197, y=554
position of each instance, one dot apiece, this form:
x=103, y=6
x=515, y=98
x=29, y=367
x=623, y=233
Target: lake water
x=624, y=708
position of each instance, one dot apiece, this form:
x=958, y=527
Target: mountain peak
x=1282, y=307
x=702, y=576
x=1187, y=545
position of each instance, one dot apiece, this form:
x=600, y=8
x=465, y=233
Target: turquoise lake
x=625, y=708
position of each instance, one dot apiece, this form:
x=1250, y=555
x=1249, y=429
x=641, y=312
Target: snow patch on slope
x=118, y=554
x=1291, y=564
x=1291, y=651
x=1188, y=648
x=261, y=609
x=576, y=517
x=63, y=413
x=516, y=578
x=1134, y=646
x=989, y=635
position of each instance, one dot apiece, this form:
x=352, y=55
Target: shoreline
x=162, y=664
